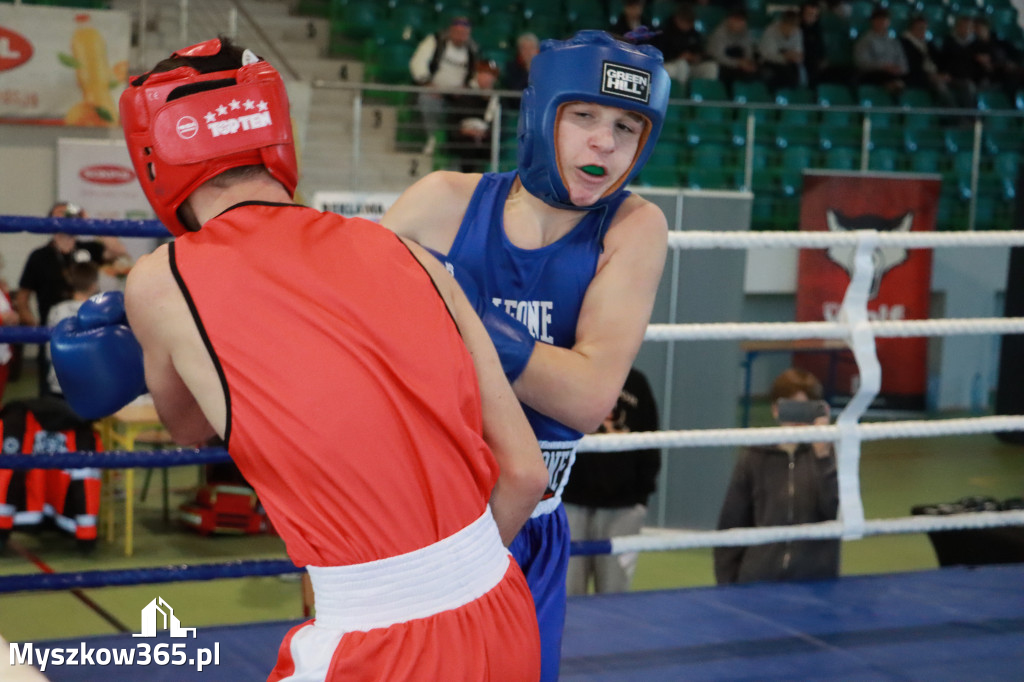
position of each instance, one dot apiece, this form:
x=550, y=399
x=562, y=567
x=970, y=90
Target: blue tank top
x=542, y=288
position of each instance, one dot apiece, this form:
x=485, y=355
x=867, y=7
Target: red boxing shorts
x=457, y=610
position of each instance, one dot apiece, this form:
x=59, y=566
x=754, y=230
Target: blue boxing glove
x=97, y=359
x=510, y=337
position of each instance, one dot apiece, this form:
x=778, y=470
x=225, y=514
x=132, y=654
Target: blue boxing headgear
x=592, y=66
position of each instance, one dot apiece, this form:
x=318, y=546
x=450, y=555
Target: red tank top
x=353, y=405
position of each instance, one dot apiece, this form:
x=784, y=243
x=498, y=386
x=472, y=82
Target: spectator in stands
x=922, y=62
x=779, y=485
x=781, y=51
x=683, y=47
x=446, y=59
x=517, y=70
x=44, y=275
x=956, y=58
x=878, y=57
x=606, y=496
x=470, y=117
x=997, y=60
x=815, y=56
x=731, y=45
x=634, y=15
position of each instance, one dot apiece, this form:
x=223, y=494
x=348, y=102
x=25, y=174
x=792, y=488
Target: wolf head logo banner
x=885, y=258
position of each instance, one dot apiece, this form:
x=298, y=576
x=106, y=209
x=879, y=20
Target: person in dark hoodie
x=781, y=485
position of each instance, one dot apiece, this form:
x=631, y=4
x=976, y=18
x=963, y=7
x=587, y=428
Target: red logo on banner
x=901, y=284
x=107, y=174
x=15, y=49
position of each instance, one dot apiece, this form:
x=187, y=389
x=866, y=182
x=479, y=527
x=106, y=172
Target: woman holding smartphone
x=781, y=485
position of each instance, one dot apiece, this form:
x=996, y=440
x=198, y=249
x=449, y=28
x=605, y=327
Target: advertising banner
x=369, y=205
x=900, y=289
x=62, y=66
x=98, y=176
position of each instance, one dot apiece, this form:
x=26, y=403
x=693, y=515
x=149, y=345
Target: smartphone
x=801, y=411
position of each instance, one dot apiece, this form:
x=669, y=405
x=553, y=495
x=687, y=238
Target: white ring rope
x=859, y=332
x=816, y=239
x=733, y=537
x=767, y=435
x=788, y=331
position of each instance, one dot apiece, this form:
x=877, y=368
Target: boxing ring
x=947, y=624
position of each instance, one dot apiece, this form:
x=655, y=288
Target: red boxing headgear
x=178, y=145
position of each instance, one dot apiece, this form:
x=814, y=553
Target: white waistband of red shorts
x=443, y=576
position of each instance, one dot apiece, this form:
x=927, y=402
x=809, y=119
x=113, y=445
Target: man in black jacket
x=607, y=492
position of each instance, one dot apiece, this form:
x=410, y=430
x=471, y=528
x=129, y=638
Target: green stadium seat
x=960, y=173
x=709, y=132
x=842, y=158
x=546, y=26
x=582, y=14
x=899, y=15
x=959, y=140
x=359, y=20
x=885, y=160
x=795, y=135
x=708, y=17
x=877, y=96
x=708, y=90
x=836, y=95
x=916, y=98
x=838, y=44
x=508, y=23
x=986, y=214
x=886, y=137
x=798, y=97
x=752, y=92
x=917, y=137
x=703, y=177
x=1005, y=168
x=928, y=161
x=998, y=101
x=860, y=13
x=999, y=141
x=794, y=161
x=391, y=63
x=839, y=136
x=419, y=16
x=716, y=156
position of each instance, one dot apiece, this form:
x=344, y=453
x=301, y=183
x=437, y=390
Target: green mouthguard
x=593, y=170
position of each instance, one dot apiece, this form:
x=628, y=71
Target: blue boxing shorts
x=542, y=550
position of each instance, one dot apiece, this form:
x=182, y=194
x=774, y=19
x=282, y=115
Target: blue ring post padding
x=115, y=459
x=139, y=576
x=22, y=334
x=590, y=547
x=88, y=226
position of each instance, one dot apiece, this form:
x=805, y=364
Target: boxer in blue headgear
x=591, y=67
x=563, y=262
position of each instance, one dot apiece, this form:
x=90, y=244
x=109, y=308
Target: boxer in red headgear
x=387, y=447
